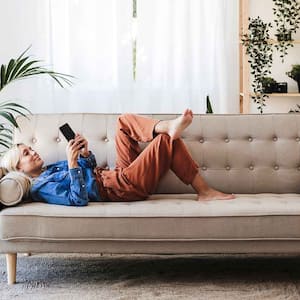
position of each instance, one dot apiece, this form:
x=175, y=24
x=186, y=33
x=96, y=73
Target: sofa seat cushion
x=162, y=217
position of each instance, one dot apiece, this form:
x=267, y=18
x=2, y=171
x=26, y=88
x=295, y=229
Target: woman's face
x=29, y=162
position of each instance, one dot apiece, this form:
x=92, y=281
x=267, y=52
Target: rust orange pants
x=138, y=172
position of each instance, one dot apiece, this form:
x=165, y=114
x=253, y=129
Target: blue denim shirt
x=60, y=185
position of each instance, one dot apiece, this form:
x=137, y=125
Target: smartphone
x=67, y=131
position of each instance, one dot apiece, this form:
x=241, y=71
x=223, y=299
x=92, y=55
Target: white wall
x=263, y=8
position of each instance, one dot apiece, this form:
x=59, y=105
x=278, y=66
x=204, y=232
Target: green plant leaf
x=26, y=67
x=17, y=69
x=2, y=78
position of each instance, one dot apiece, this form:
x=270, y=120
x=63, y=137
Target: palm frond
x=5, y=144
x=17, y=69
x=8, y=111
x=24, y=66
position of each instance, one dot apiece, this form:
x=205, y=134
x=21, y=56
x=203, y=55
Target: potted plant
x=260, y=54
x=295, y=74
x=20, y=68
x=268, y=84
x=287, y=20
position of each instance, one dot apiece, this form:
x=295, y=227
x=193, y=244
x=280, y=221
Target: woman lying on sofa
x=78, y=180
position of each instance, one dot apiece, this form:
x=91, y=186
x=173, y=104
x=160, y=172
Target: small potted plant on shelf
x=295, y=74
x=287, y=20
x=260, y=57
x=268, y=84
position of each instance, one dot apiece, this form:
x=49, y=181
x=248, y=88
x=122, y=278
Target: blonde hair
x=9, y=165
x=11, y=158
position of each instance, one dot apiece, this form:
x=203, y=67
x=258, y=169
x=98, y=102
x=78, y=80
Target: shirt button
x=57, y=169
x=78, y=172
x=33, y=140
x=106, y=139
x=83, y=185
x=58, y=139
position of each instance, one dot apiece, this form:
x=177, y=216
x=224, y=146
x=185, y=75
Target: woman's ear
x=18, y=168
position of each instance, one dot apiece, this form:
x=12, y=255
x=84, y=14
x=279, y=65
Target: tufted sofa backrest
x=236, y=153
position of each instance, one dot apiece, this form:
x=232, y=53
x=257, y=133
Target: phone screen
x=67, y=131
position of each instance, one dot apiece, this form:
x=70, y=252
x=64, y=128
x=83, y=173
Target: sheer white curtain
x=186, y=49
x=89, y=39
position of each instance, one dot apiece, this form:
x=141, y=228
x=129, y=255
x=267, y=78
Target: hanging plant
x=260, y=57
x=287, y=20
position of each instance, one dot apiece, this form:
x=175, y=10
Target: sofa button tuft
x=227, y=168
x=226, y=140
x=106, y=139
x=276, y=167
x=201, y=140
x=298, y=139
x=58, y=139
x=275, y=138
x=250, y=139
x=251, y=167
x=204, y=168
x=34, y=140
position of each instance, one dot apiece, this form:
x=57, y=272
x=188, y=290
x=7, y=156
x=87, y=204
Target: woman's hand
x=84, y=144
x=74, y=147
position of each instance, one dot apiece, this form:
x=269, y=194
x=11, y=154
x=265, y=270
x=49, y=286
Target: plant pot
x=281, y=87
x=269, y=88
x=284, y=36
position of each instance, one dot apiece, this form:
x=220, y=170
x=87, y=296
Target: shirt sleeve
x=88, y=162
x=55, y=192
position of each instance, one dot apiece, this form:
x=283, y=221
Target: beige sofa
x=256, y=157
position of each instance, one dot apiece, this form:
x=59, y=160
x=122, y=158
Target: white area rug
x=69, y=276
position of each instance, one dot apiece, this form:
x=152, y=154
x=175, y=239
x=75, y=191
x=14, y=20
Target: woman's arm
x=70, y=190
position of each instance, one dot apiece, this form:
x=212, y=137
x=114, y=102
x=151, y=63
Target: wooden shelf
x=245, y=94
x=277, y=94
x=284, y=95
x=271, y=41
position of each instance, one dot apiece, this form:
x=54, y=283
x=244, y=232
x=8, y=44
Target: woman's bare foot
x=177, y=125
x=212, y=194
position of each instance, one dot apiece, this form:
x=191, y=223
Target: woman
x=78, y=180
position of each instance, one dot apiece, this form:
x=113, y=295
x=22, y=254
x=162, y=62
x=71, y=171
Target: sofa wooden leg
x=11, y=265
